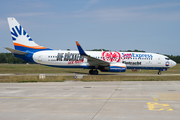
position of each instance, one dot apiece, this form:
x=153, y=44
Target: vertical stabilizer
x=21, y=40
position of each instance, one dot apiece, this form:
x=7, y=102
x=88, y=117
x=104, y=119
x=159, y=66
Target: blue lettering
x=138, y=55
x=132, y=54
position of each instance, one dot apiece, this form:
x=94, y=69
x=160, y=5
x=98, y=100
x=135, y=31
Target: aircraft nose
x=173, y=63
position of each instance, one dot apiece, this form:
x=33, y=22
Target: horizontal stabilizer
x=16, y=51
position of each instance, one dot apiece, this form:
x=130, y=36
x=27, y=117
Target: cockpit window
x=167, y=58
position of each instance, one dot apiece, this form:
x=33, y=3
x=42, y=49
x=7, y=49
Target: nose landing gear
x=93, y=72
x=162, y=69
x=159, y=72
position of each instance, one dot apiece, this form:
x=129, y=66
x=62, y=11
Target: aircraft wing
x=92, y=60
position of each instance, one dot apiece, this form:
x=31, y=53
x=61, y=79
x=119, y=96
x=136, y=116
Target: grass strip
x=89, y=78
x=40, y=69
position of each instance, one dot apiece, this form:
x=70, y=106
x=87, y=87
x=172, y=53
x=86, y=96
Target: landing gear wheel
x=159, y=73
x=91, y=72
x=95, y=72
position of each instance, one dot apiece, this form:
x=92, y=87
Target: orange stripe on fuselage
x=33, y=47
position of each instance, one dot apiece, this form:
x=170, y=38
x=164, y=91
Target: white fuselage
x=133, y=60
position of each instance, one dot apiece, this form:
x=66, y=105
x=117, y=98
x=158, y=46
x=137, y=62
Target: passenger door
x=159, y=60
x=40, y=58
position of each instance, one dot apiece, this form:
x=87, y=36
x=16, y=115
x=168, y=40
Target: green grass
x=22, y=79
x=104, y=76
x=35, y=68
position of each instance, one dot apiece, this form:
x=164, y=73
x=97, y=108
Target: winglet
x=81, y=51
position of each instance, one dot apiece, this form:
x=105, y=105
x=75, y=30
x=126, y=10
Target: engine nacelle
x=114, y=67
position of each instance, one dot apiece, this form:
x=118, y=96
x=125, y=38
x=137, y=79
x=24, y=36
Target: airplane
x=105, y=61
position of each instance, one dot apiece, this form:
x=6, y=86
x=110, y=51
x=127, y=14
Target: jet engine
x=114, y=67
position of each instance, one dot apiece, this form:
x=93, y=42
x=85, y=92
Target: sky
x=149, y=25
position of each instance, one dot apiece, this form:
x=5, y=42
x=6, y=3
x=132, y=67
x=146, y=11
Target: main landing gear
x=93, y=72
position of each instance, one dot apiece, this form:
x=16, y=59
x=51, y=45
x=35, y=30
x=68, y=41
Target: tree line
x=9, y=58
x=175, y=58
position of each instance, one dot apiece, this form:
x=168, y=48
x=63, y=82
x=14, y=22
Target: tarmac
x=73, y=100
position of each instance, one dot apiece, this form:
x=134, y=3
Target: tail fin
x=21, y=40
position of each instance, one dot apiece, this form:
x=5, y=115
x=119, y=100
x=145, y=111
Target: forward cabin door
x=159, y=60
